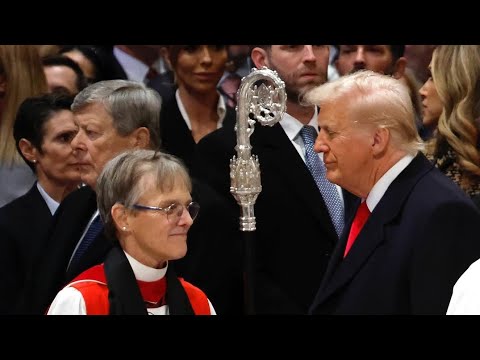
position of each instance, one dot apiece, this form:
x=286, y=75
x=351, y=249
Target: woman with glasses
x=145, y=204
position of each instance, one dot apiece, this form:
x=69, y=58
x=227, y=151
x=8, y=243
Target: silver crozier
x=261, y=97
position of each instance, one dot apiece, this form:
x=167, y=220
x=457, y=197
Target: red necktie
x=360, y=219
x=151, y=74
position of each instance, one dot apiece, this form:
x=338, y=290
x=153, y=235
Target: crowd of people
x=116, y=184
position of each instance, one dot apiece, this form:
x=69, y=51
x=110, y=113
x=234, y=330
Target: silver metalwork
x=265, y=104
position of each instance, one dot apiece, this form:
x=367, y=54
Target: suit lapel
x=340, y=271
x=273, y=146
x=351, y=203
x=70, y=220
x=36, y=204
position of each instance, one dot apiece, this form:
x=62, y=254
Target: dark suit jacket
x=71, y=219
x=213, y=258
x=176, y=137
x=213, y=261
x=163, y=83
x=166, y=91
x=294, y=236
x=419, y=239
x=24, y=224
x=476, y=200
x=113, y=69
x=50, y=273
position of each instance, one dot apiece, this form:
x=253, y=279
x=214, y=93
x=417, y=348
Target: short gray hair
x=384, y=100
x=130, y=104
x=123, y=180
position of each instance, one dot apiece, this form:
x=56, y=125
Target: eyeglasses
x=173, y=211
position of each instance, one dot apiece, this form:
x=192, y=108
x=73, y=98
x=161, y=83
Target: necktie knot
x=328, y=190
x=361, y=217
x=308, y=134
x=151, y=74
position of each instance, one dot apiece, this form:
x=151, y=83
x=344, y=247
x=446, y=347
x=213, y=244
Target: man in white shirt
x=415, y=232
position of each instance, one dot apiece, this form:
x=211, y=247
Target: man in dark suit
x=415, y=231
x=295, y=234
x=137, y=63
x=112, y=116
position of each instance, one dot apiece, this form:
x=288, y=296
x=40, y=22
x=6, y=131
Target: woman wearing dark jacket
x=43, y=130
x=197, y=108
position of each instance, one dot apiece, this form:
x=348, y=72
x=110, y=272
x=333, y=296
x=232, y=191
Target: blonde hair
x=456, y=75
x=385, y=101
x=21, y=67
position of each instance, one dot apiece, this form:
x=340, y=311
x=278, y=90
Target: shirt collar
x=52, y=204
x=145, y=273
x=292, y=126
x=381, y=186
x=221, y=110
x=134, y=68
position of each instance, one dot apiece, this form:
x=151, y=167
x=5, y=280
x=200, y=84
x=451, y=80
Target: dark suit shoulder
x=166, y=90
x=74, y=212
x=24, y=205
x=225, y=137
x=78, y=198
x=230, y=119
x=83, y=192
x=476, y=200
x=437, y=187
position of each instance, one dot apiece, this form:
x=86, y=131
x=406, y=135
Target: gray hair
x=130, y=104
x=382, y=100
x=124, y=178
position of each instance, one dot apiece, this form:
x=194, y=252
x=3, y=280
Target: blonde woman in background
x=451, y=100
x=21, y=76
x=457, y=147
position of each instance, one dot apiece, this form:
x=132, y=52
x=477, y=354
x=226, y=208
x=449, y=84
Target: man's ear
x=399, y=69
x=141, y=138
x=259, y=57
x=381, y=138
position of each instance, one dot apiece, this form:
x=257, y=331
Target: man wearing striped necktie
x=295, y=230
